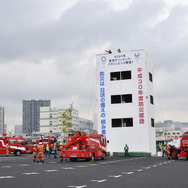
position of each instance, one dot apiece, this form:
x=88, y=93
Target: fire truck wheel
x=17, y=153
x=93, y=157
x=174, y=154
x=103, y=156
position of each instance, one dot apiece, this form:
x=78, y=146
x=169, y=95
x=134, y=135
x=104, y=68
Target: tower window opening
x=151, y=99
x=115, y=99
x=126, y=98
x=150, y=77
x=114, y=76
x=125, y=75
x=152, y=122
x=116, y=123
x=122, y=122
x=127, y=122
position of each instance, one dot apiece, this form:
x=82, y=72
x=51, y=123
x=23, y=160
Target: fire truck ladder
x=66, y=121
x=78, y=137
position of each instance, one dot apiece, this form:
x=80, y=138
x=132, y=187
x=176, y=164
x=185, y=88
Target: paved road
x=113, y=172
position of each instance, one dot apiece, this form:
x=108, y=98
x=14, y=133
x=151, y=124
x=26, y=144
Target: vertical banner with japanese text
x=140, y=96
x=102, y=104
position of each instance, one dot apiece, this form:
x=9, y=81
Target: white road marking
x=127, y=173
x=93, y=164
x=52, y=162
x=67, y=168
x=100, y=181
x=111, y=161
x=139, y=170
x=31, y=173
x=24, y=165
x=154, y=165
x=80, y=186
x=113, y=176
x=6, y=177
x=51, y=170
x=82, y=166
x=148, y=167
x=6, y=167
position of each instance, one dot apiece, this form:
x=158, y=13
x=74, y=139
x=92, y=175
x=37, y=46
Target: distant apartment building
x=85, y=124
x=51, y=120
x=2, y=114
x=169, y=129
x=18, y=129
x=31, y=114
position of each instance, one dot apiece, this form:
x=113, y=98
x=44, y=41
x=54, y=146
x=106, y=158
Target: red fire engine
x=16, y=145
x=48, y=140
x=81, y=146
x=182, y=151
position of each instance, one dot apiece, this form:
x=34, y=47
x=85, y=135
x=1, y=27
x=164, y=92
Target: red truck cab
x=182, y=151
x=82, y=146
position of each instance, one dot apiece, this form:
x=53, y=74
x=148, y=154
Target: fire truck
x=16, y=145
x=85, y=146
x=49, y=140
x=181, y=151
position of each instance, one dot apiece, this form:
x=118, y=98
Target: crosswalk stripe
x=6, y=177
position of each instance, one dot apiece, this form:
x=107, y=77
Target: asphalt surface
x=113, y=172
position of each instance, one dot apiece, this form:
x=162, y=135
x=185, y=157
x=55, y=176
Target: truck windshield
x=21, y=142
x=12, y=141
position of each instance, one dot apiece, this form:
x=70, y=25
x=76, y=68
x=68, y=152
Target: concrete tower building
x=125, y=104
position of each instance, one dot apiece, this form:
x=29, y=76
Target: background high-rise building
x=125, y=102
x=31, y=114
x=2, y=120
x=85, y=124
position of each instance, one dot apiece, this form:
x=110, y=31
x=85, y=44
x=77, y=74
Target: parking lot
x=112, y=172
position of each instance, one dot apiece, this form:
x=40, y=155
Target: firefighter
x=164, y=150
x=47, y=151
x=40, y=150
x=7, y=149
x=109, y=51
x=168, y=150
x=34, y=153
x=61, y=148
x=126, y=149
x=119, y=51
x=55, y=150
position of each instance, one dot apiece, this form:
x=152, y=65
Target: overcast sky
x=48, y=51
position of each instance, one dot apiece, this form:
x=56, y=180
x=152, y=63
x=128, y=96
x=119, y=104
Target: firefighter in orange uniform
x=7, y=150
x=34, y=152
x=40, y=150
x=61, y=148
x=168, y=151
